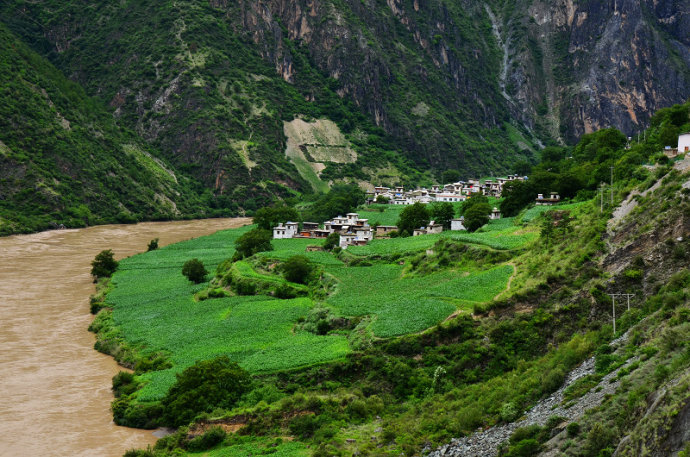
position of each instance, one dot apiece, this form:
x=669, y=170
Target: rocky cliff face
x=590, y=65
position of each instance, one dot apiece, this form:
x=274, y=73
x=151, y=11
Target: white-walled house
x=287, y=230
x=458, y=224
x=495, y=213
x=684, y=142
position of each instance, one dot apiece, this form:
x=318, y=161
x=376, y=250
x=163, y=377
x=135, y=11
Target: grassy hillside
x=64, y=161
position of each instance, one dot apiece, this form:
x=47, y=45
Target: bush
x=153, y=245
x=103, y=265
x=206, y=385
x=194, y=270
x=212, y=437
x=332, y=241
x=573, y=429
x=297, y=269
x=256, y=240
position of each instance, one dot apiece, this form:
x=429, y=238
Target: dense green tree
x=270, y=216
x=413, y=217
x=450, y=176
x=206, y=385
x=331, y=241
x=474, y=200
x=382, y=200
x=255, y=240
x=297, y=269
x=194, y=270
x=104, y=264
x=340, y=200
x=443, y=213
x=476, y=216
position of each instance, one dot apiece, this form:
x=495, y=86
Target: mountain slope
x=64, y=161
x=591, y=65
x=200, y=80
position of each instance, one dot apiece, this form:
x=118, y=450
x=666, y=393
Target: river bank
x=54, y=387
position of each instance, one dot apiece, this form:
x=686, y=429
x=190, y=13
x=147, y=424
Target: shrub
x=285, y=291
x=153, y=245
x=297, y=269
x=194, y=270
x=206, y=385
x=573, y=429
x=103, y=265
x=212, y=437
x=331, y=241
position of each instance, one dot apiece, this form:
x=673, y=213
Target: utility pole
x=601, y=195
x=613, y=301
x=613, y=305
x=611, y=186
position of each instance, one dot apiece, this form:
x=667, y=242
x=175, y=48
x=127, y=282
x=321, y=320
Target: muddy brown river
x=54, y=387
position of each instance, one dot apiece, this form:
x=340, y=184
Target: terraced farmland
x=154, y=307
x=411, y=304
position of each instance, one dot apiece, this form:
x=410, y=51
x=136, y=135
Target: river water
x=54, y=387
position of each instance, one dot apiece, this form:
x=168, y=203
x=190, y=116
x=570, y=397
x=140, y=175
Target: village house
x=287, y=230
x=430, y=229
x=553, y=199
x=385, y=230
x=458, y=224
x=310, y=226
x=448, y=197
x=684, y=142
x=358, y=236
x=495, y=214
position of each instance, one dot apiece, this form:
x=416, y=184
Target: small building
x=309, y=226
x=684, y=143
x=458, y=224
x=448, y=197
x=385, y=230
x=287, y=230
x=495, y=213
x=321, y=233
x=430, y=229
x=553, y=199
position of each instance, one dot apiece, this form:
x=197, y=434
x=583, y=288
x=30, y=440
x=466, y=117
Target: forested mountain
x=64, y=161
x=258, y=98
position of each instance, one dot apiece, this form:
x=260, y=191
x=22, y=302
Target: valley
x=345, y=228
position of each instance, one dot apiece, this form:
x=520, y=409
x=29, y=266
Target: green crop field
x=495, y=236
x=154, y=307
x=411, y=304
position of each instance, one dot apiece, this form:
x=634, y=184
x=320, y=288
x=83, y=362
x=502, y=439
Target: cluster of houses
x=455, y=192
x=354, y=231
